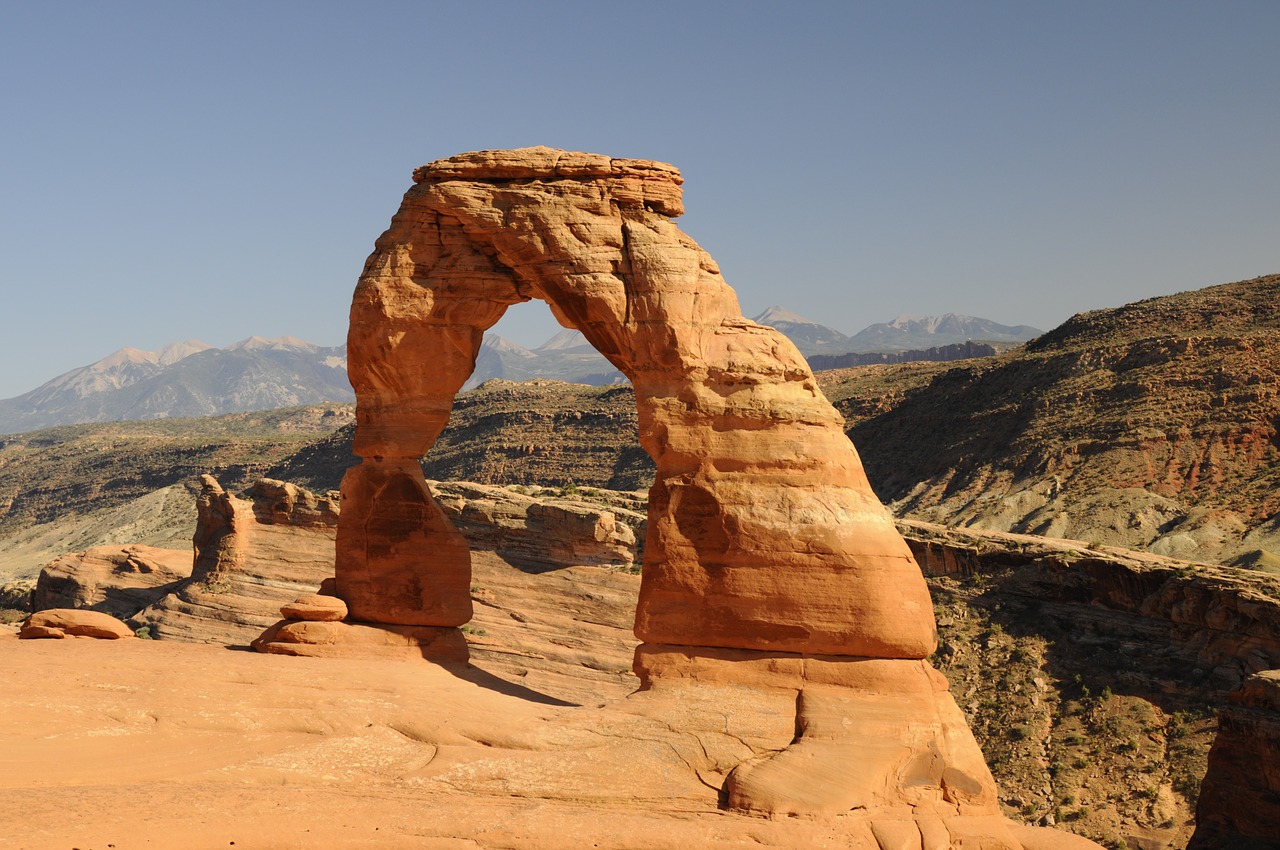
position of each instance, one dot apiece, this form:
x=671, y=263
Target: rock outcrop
x=72, y=622
x=546, y=528
x=766, y=549
x=116, y=580
x=1240, y=797
x=251, y=556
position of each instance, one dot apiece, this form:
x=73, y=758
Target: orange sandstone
x=763, y=534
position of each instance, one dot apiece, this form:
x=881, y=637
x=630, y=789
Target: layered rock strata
x=546, y=529
x=115, y=580
x=764, y=538
x=250, y=556
x=1220, y=622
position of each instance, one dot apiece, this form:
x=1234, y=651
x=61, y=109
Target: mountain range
x=184, y=379
x=569, y=357
x=192, y=378
x=905, y=333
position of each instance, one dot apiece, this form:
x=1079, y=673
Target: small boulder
x=74, y=622
x=30, y=632
x=316, y=608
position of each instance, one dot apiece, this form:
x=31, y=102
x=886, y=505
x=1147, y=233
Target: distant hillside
x=1153, y=425
x=942, y=353
x=537, y=432
x=183, y=380
x=77, y=470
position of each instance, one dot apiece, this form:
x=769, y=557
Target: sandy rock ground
x=541, y=742
x=121, y=744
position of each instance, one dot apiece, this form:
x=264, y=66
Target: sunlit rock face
x=763, y=531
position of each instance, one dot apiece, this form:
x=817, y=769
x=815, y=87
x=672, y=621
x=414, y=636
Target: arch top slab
x=764, y=533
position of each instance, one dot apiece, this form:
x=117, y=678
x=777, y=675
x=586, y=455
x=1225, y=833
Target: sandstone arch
x=764, y=533
x=773, y=580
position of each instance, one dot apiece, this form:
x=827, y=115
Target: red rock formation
x=763, y=531
x=71, y=622
x=116, y=580
x=251, y=556
x=316, y=608
x=769, y=563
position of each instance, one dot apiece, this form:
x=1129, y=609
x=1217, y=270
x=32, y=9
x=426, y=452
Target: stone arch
x=763, y=531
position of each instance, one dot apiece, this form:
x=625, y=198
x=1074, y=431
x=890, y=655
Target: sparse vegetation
x=217, y=584
x=1042, y=698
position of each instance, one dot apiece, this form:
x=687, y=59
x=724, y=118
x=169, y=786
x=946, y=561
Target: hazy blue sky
x=182, y=170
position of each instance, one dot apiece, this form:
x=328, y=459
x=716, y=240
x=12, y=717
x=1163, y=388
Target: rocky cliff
x=1109, y=668
x=1240, y=798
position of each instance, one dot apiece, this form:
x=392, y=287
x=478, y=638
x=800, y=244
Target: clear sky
x=178, y=170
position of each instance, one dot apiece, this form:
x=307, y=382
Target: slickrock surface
x=1240, y=798
x=535, y=747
